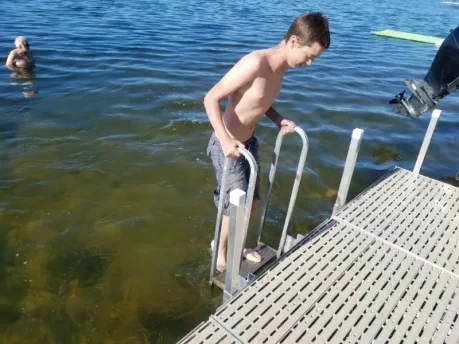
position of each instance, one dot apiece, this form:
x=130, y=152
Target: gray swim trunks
x=239, y=170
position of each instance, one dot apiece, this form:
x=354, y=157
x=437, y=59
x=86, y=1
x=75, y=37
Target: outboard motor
x=441, y=80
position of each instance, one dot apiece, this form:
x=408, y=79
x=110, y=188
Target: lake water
x=106, y=210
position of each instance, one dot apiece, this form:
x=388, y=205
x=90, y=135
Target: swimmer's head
x=22, y=43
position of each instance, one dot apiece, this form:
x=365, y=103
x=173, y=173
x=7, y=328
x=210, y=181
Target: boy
x=251, y=86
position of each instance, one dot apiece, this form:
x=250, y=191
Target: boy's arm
x=10, y=60
x=280, y=121
x=242, y=73
x=274, y=116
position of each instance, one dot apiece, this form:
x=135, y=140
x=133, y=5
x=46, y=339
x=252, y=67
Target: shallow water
x=106, y=208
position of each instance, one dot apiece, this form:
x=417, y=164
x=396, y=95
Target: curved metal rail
x=296, y=185
x=248, y=204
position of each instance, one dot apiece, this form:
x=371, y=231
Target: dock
x=384, y=268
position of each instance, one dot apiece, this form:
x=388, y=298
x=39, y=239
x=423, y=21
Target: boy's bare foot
x=221, y=267
x=251, y=255
x=247, y=253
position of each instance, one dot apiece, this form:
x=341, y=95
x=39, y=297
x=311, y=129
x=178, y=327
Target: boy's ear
x=293, y=41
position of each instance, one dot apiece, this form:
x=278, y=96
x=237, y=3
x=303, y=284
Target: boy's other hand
x=230, y=146
x=285, y=124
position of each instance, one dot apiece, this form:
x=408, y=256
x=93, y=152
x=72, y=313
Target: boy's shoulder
x=257, y=59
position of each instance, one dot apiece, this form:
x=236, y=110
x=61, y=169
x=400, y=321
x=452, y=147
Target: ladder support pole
x=428, y=137
x=349, y=166
x=235, y=243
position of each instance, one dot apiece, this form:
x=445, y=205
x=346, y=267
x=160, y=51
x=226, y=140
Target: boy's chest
x=265, y=90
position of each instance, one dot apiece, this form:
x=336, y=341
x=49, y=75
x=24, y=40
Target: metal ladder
x=238, y=274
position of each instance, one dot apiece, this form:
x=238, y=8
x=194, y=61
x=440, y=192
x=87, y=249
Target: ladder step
x=289, y=242
x=248, y=267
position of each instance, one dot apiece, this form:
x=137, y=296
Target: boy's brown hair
x=309, y=28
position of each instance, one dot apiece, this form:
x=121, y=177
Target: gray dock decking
x=384, y=269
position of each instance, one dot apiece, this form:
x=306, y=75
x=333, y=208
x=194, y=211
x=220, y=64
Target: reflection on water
x=26, y=79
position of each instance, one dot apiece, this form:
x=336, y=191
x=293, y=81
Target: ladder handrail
x=272, y=173
x=248, y=204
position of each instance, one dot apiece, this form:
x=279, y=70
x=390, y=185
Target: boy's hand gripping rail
x=248, y=204
x=272, y=172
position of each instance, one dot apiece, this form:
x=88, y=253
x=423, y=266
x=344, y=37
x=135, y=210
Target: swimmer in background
x=21, y=58
x=22, y=62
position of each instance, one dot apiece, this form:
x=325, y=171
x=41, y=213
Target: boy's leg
x=215, y=152
x=252, y=146
x=237, y=178
x=223, y=244
x=248, y=254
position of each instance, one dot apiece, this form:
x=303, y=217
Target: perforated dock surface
x=382, y=270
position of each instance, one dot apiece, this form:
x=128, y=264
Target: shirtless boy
x=21, y=58
x=251, y=86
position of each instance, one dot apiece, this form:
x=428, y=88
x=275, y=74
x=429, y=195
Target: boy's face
x=302, y=55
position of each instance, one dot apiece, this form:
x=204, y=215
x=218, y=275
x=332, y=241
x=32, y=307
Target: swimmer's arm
x=10, y=60
x=243, y=72
x=274, y=116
